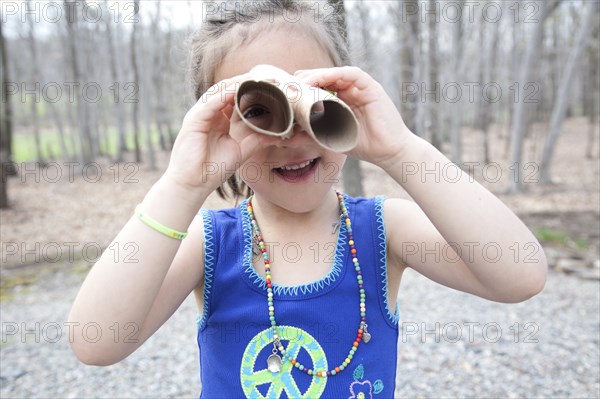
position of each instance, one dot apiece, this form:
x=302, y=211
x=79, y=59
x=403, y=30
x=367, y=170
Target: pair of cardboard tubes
x=272, y=101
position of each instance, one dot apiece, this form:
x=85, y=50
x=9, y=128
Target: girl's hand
x=382, y=132
x=205, y=155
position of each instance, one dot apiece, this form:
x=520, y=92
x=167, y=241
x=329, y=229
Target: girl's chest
x=295, y=262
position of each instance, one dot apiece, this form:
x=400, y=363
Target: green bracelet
x=157, y=226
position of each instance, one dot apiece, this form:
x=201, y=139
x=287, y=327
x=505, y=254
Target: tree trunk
x=119, y=105
x=35, y=77
x=6, y=164
x=352, y=174
x=488, y=75
x=407, y=35
x=158, y=101
x=136, y=80
x=519, y=115
x=60, y=127
x=592, y=95
x=560, y=106
x=166, y=116
x=82, y=114
x=456, y=116
x=434, y=107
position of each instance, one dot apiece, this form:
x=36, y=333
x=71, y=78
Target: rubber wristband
x=178, y=235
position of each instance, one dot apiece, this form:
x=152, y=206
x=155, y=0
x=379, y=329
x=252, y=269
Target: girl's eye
x=255, y=111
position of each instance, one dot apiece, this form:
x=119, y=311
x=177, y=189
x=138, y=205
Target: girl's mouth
x=297, y=172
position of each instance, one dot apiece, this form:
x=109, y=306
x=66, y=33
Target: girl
x=321, y=320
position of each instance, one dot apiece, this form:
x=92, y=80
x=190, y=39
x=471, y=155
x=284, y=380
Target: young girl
x=294, y=303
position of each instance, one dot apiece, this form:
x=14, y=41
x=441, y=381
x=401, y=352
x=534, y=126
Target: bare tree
x=487, y=72
x=159, y=63
x=591, y=100
x=119, y=109
x=525, y=74
x=165, y=109
x=456, y=116
x=562, y=99
x=433, y=109
x=151, y=49
x=56, y=111
x=82, y=114
x=407, y=25
x=137, y=80
x=35, y=77
x=5, y=125
x=351, y=172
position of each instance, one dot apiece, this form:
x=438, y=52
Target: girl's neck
x=267, y=212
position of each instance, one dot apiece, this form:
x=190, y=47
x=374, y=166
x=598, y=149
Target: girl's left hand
x=382, y=132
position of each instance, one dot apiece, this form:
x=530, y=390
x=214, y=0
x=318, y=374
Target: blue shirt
x=318, y=321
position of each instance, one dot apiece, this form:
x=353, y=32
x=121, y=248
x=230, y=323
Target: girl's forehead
x=289, y=50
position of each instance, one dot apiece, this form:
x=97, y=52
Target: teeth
x=298, y=166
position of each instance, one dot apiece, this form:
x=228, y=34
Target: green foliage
x=24, y=144
x=559, y=237
x=8, y=284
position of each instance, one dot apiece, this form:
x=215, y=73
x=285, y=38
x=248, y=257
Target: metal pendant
x=255, y=246
x=366, y=337
x=274, y=363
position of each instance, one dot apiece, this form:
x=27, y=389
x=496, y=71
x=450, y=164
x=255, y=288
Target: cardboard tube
x=272, y=101
x=274, y=115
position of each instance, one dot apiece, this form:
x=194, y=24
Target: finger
x=228, y=111
x=211, y=106
x=225, y=90
x=338, y=78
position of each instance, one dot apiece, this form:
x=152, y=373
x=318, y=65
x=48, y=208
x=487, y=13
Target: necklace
x=274, y=361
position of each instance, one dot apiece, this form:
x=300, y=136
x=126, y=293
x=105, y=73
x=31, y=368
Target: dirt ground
x=63, y=210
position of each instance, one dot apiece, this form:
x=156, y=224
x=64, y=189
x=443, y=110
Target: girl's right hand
x=204, y=154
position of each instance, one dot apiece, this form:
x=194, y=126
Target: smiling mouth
x=297, y=171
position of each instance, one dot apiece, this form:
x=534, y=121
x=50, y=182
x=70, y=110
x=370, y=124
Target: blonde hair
x=238, y=22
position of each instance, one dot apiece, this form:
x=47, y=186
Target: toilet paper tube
x=271, y=101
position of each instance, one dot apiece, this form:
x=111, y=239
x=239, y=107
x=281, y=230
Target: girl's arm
x=500, y=259
x=127, y=299
x=138, y=294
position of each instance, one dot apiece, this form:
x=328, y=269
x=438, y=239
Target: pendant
x=366, y=337
x=274, y=363
x=255, y=246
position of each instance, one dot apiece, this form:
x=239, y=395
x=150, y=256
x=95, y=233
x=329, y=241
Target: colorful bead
x=271, y=307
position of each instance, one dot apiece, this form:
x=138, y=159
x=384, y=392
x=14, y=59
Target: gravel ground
x=545, y=347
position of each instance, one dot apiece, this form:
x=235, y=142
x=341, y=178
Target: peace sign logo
x=297, y=339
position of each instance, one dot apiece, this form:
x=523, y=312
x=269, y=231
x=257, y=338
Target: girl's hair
x=229, y=24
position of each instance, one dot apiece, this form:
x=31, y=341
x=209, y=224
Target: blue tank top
x=316, y=321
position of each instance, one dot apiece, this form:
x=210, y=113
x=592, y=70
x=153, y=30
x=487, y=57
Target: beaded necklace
x=274, y=361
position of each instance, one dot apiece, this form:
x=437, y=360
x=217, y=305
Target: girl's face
x=297, y=173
